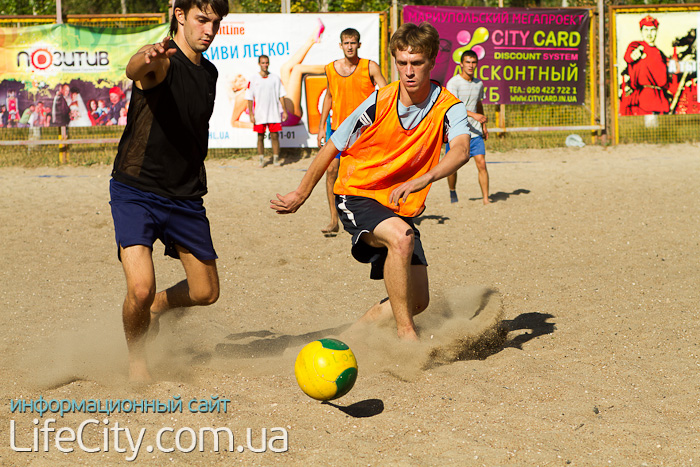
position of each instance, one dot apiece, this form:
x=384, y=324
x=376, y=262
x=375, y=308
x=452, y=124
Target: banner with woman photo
x=62, y=75
x=299, y=46
x=75, y=76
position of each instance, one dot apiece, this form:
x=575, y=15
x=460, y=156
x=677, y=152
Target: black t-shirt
x=164, y=144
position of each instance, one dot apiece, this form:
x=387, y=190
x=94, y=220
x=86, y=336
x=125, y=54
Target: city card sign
x=526, y=55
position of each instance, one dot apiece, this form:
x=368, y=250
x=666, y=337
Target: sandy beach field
x=564, y=325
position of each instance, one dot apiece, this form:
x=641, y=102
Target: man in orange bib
x=350, y=81
x=390, y=155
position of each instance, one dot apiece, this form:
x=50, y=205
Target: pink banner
x=526, y=55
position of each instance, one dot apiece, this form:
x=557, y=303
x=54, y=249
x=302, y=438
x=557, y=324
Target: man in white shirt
x=470, y=90
x=265, y=97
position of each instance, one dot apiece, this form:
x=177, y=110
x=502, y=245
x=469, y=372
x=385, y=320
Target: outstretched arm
x=292, y=201
x=149, y=66
x=456, y=157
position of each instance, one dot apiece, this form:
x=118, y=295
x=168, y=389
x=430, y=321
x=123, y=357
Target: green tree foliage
x=28, y=7
x=81, y=7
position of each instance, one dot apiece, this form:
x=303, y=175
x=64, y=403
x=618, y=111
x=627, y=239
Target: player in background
x=470, y=90
x=265, y=96
x=350, y=80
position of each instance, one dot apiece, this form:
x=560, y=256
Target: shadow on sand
x=363, y=409
x=263, y=344
x=503, y=196
x=268, y=344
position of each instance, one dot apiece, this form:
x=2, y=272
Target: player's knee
x=204, y=296
x=142, y=295
x=403, y=242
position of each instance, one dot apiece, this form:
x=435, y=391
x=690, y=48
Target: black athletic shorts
x=361, y=215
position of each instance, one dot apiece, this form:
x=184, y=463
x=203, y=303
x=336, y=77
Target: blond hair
x=422, y=38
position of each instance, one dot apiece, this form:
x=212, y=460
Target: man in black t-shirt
x=159, y=179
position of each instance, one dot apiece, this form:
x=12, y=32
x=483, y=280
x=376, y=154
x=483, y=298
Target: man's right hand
x=149, y=66
x=159, y=51
x=321, y=137
x=288, y=203
x=638, y=53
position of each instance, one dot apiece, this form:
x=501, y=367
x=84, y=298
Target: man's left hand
x=402, y=191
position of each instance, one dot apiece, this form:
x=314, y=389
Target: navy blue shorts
x=140, y=218
x=361, y=215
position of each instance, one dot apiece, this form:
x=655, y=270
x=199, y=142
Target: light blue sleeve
x=457, y=122
x=351, y=128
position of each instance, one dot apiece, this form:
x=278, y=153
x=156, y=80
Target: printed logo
x=41, y=59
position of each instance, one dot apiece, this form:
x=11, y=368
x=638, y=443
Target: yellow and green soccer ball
x=326, y=369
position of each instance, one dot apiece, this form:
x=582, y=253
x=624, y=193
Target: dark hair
x=468, y=53
x=351, y=33
x=263, y=56
x=419, y=39
x=220, y=7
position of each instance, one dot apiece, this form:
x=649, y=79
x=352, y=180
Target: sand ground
x=588, y=256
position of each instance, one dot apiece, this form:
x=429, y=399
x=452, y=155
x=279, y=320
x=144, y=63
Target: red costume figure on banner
x=648, y=74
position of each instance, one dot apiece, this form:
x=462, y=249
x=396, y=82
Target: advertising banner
x=526, y=55
x=656, y=62
x=61, y=75
x=299, y=47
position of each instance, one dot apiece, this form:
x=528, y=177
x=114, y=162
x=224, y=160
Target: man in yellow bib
x=390, y=155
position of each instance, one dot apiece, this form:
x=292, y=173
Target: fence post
x=63, y=155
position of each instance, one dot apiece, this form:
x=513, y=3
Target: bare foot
x=486, y=201
x=408, y=335
x=331, y=230
x=138, y=370
x=379, y=313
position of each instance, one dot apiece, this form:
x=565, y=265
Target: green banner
x=61, y=75
x=57, y=53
